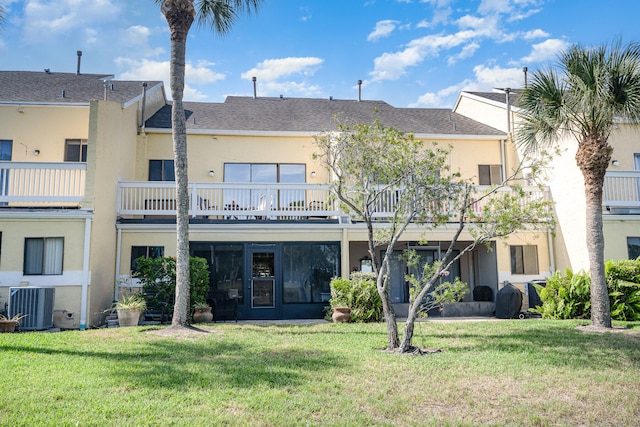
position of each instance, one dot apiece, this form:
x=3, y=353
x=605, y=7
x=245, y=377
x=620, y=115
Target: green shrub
x=360, y=294
x=565, y=297
x=623, y=282
x=158, y=277
x=568, y=296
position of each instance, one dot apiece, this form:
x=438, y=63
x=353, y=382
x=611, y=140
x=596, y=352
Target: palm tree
x=592, y=88
x=180, y=14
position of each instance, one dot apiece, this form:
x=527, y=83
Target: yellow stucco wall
x=43, y=128
x=616, y=230
x=68, y=284
x=111, y=157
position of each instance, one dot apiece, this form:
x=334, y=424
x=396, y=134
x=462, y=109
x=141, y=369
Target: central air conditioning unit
x=35, y=303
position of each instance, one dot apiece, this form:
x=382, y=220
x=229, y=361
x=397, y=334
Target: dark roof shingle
x=315, y=115
x=43, y=87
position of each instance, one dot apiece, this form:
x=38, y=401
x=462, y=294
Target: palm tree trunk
x=180, y=15
x=593, y=159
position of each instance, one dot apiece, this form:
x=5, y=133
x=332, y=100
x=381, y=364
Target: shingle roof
x=315, y=115
x=499, y=96
x=43, y=87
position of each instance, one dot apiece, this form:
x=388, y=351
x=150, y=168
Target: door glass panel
x=263, y=280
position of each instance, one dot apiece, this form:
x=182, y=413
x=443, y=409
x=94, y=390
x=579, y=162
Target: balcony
x=256, y=201
x=228, y=201
x=621, y=192
x=24, y=184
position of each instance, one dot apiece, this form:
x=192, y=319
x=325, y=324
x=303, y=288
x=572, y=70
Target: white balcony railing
x=621, y=190
x=228, y=200
x=42, y=184
x=254, y=200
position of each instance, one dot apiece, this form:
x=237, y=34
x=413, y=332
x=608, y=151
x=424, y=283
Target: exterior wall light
x=211, y=173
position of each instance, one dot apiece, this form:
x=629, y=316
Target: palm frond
x=220, y=15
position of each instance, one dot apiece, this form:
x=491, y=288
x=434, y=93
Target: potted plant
x=202, y=312
x=9, y=325
x=129, y=309
x=340, y=301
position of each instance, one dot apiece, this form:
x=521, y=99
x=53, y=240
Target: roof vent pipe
x=359, y=90
x=255, y=92
x=524, y=70
x=79, y=57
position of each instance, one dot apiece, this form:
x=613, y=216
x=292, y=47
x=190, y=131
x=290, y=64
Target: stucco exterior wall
x=616, y=230
x=111, y=157
x=44, y=128
x=67, y=284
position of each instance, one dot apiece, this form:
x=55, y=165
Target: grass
x=531, y=372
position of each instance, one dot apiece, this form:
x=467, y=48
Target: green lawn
x=520, y=373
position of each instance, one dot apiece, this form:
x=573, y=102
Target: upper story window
x=161, y=170
x=490, y=174
x=43, y=255
x=265, y=172
x=524, y=259
x=75, y=150
x=6, y=146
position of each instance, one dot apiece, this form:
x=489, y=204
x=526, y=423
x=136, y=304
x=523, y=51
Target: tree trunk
x=180, y=15
x=593, y=159
x=393, y=339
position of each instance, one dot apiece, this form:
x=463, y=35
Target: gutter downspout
x=85, y=274
x=117, y=275
x=552, y=255
x=503, y=159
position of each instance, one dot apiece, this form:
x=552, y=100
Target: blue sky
x=409, y=53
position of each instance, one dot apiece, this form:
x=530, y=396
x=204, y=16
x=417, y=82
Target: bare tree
x=380, y=169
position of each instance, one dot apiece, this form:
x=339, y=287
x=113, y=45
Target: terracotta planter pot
x=341, y=314
x=202, y=315
x=8, y=325
x=128, y=316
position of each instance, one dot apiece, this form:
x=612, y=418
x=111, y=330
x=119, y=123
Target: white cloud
x=147, y=70
x=514, y=10
x=546, y=50
x=301, y=89
x=469, y=21
x=273, y=69
x=439, y=99
x=383, y=29
x=391, y=66
x=467, y=52
x=535, y=34
x=285, y=76
x=490, y=77
x=48, y=19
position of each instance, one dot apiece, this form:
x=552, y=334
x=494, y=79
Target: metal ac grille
x=34, y=302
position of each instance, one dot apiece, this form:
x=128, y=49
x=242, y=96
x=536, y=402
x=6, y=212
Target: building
x=87, y=187
x=621, y=192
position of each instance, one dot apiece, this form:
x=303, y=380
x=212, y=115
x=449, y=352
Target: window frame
x=167, y=170
x=43, y=267
x=147, y=252
x=82, y=151
x=493, y=172
x=629, y=246
x=527, y=253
